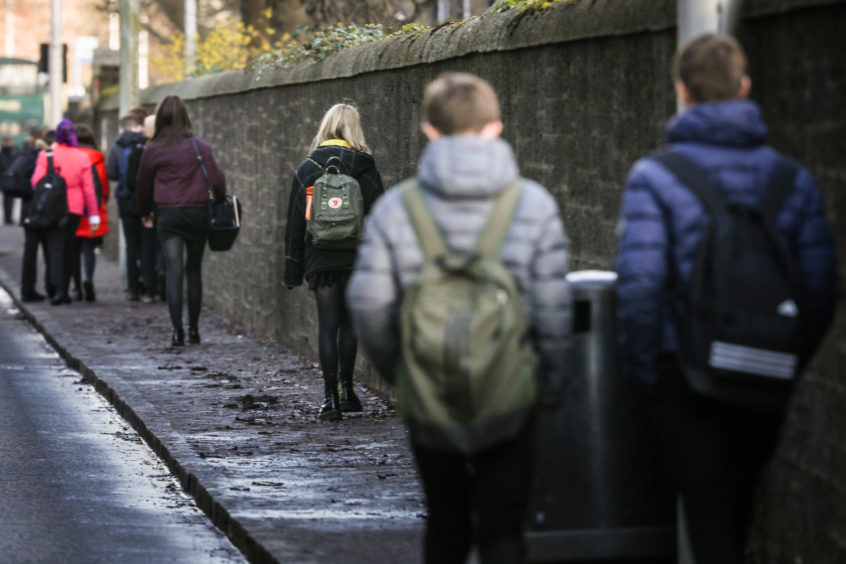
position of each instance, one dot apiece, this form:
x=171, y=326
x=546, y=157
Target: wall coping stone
x=570, y=20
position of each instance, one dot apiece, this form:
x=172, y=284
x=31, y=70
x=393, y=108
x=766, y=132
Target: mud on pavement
x=239, y=414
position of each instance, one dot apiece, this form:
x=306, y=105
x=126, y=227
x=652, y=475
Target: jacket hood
x=355, y=162
x=127, y=138
x=467, y=166
x=734, y=123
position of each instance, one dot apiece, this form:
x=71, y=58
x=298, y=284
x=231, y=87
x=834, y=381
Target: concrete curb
x=180, y=459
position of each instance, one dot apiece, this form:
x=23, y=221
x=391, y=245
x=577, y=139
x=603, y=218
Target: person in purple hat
x=74, y=167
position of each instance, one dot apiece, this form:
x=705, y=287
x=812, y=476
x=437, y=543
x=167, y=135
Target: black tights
x=335, y=332
x=173, y=249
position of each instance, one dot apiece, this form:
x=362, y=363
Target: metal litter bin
x=600, y=492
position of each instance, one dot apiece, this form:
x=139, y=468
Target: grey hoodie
x=460, y=176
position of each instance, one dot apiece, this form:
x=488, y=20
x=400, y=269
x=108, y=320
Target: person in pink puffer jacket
x=73, y=165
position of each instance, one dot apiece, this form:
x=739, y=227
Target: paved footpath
x=235, y=420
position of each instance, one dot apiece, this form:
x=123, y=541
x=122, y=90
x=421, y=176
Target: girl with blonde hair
x=327, y=270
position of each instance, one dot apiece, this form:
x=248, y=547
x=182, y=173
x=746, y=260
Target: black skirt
x=191, y=224
x=325, y=278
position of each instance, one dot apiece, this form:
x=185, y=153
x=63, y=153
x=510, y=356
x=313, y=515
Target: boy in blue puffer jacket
x=714, y=452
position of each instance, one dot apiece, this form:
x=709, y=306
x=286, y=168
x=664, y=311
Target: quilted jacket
x=663, y=223
x=460, y=176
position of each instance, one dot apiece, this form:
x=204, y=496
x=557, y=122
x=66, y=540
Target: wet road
x=76, y=483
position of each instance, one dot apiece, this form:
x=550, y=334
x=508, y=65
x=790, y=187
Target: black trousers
x=480, y=499
x=60, y=243
x=33, y=238
x=715, y=453
x=140, y=251
x=8, y=207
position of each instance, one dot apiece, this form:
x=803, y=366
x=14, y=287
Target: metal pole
x=698, y=16
x=128, y=97
x=190, y=35
x=55, y=62
x=10, y=28
x=444, y=10
x=128, y=55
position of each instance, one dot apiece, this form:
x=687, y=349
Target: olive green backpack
x=467, y=376
x=337, y=208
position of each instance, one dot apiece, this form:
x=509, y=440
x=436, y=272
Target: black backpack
x=129, y=163
x=741, y=339
x=49, y=205
x=17, y=178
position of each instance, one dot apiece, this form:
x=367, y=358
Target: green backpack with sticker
x=467, y=376
x=335, y=210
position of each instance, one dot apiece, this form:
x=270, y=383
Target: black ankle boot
x=88, y=288
x=331, y=408
x=193, y=335
x=178, y=338
x=60, y=297
x=349, y=401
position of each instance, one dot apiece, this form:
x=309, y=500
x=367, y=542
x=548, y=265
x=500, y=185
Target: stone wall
x=585, y=90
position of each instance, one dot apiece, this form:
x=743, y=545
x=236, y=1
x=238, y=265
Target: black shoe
x=88, y=288
x=60, y=298
x=193, y=336
x=32, y=297
x=331, y=408
x=177, y=339
x=348, y=400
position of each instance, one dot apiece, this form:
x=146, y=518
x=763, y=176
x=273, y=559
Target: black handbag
x=224, y=223
x=224, y=217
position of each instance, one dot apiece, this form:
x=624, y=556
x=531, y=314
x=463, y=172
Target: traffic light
x=44, y=61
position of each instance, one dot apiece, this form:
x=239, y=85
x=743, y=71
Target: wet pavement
x=235, y=420
x=77, y=484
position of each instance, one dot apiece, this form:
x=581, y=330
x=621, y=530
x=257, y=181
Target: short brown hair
x=711, y=67
x=140, y=112
x=85, y=135
x=128, y=121
x=457, y=102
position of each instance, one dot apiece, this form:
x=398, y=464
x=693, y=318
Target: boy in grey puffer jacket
x=462, y=171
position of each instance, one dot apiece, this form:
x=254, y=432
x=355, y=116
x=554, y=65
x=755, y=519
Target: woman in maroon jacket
x=172, y=178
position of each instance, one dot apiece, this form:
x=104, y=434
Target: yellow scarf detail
x=336, y=143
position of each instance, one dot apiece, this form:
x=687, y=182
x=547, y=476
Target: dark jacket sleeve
x=642, y=266
x=817, y=260
x=113, y=162
x=295, y=233
x=144, y=182
x=371, y=181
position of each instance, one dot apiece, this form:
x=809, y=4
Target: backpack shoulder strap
x=693, y=177
x=428, y=235
x=493, y=234
x=50, y=168
x=317, y=164
x=202, y=163
x=781, y=183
